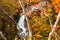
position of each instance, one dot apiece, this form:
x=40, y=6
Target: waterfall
x=21, y=27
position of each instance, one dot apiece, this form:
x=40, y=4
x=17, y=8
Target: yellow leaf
x=49, y=10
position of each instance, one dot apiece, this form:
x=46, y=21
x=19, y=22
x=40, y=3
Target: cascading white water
x=21, y=27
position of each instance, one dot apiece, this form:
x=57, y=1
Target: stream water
x=21, y=27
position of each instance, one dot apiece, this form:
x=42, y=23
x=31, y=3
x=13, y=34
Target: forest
x=29, y=19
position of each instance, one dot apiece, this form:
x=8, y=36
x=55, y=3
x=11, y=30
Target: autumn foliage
x=38, y=22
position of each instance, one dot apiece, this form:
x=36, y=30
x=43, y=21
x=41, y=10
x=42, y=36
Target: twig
x=22, y=5
x=30, y=33
x=54, y=27
x=3, y=36
x=56, y=35
x=49, y=18
x=9, y=16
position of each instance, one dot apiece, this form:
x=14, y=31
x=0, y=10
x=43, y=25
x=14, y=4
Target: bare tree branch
x=22, y=5
x=9, y=16
x=54, y=27
x=3, y=36
x=30, y=32
x=56, y=35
